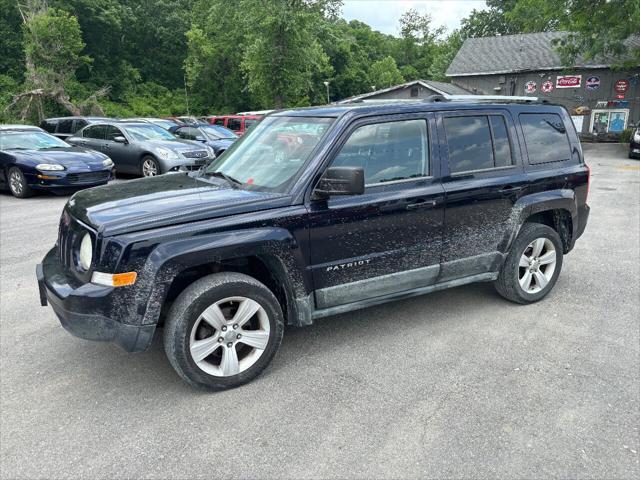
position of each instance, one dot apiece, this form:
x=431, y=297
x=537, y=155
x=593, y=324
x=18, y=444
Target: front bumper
x=81, y=308
x=70, y=179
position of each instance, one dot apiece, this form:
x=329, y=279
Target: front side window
x=477, y=143
x=272, y=153
x=233, y=124
x=112, y=133
x=545, y=137
x=387, y=151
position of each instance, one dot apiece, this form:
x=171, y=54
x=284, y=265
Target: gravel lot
x=455, y=384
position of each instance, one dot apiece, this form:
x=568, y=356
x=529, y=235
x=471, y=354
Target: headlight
x=49, y=167
x=167, y=154
x=107, y=162
x=86, y=252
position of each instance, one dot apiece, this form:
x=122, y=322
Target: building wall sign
x=547, y=87
x=621, y=86
x=530, y=87
x=568, y=81
x=592, y=83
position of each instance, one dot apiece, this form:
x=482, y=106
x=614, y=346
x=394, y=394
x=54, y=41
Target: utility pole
x=186, y=95
x=326, y=84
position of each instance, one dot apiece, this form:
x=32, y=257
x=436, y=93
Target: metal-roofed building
x=414, y=90
x=601, y=100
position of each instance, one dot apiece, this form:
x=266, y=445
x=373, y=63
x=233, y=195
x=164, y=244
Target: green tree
x=385, y=73
x=12, y=54
x=444, y=52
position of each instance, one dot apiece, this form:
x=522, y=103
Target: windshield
x=215, y=132
x=166, y=124
x=148, y=132
x=29, y=141
x=273, y=152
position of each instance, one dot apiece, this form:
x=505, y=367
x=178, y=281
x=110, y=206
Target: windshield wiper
x=230, y=180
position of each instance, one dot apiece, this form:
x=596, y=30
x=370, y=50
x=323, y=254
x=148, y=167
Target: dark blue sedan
x=31, y=159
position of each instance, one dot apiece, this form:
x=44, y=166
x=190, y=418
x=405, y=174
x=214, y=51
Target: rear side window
x=65, y=126
x=545, y=136
x=477, y=143
x=94, y=131
x=233, y=124
x=387, y=151
x=49, y=125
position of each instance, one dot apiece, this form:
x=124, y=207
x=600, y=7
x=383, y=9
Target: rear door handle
x=418, y=205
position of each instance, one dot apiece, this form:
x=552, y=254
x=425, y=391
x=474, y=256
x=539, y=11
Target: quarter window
x=387, y=151
x=545, y=137
x=477, y=143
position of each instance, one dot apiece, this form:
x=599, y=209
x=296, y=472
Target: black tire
x=188, y=308
x=22, y=190
x=151, y=160
x=508, y=284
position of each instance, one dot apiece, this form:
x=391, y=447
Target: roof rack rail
x=484, y=99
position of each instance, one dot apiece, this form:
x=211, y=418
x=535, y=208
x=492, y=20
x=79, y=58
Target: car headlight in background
x=86, y=252
x=107, y=162
x=49, y=167
x=167, y=154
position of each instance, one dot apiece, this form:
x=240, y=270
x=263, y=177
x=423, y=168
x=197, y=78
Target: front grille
x=196, y=154
x=88, y=177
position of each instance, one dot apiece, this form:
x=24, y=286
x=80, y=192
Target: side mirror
x=340, y=181
x=120, y=139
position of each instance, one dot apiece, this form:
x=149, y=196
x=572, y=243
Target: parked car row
x=61, y=155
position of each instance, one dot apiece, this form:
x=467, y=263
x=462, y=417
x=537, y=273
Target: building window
x=415, y=91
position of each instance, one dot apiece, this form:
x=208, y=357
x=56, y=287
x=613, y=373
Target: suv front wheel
x=532, y=266
x=223, y=330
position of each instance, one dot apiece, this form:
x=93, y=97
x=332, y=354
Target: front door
x=483, y=178
x=122, y=154
x=389, y=239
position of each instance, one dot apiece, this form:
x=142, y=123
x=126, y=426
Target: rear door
x=482, y=178
x=389, y=239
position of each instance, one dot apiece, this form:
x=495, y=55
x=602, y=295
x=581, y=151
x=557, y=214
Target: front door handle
x=424, y=204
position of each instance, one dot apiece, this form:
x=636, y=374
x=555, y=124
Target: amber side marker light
x=114, y=279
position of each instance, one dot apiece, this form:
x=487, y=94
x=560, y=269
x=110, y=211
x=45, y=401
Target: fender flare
x=528, y=205
x=276, y=247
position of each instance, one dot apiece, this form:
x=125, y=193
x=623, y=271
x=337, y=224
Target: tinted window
x=219, y=121
x=387, y=151
x=65, y=126
x=233, y=124
x=182, y=132
x=79, y=124
x=94, y=131
x=501, y=145
x=112, y=132
x=545, y=137
x=49, y=125
x=469, y=142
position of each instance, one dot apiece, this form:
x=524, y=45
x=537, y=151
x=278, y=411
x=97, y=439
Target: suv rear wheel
x=223, y=330
x=532, y=266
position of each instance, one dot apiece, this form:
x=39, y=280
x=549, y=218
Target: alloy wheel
x=149, y=168
x=537, y=264
x=15, y=182
x=229, y=336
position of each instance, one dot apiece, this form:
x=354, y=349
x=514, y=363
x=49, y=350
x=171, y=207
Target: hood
x=76, y=158
x=164, y=200
x=177, y=145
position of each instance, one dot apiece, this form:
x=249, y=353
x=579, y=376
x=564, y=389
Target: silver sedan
x=142, y=148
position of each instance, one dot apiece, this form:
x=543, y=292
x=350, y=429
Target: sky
x=383, y=15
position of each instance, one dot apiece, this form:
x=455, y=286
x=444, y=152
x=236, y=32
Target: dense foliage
x=162, y=57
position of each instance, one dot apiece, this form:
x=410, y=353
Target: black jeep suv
x=316, y=212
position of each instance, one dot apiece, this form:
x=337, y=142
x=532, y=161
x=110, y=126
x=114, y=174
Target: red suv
x=237, y=123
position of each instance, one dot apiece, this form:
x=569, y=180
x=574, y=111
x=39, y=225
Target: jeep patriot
x=315, y=212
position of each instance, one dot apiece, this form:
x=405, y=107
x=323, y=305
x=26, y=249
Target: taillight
x=588, y=180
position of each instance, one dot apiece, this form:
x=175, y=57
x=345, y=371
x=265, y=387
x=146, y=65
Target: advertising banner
x=568, y=81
